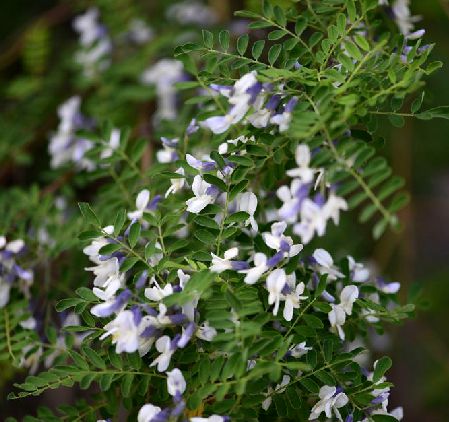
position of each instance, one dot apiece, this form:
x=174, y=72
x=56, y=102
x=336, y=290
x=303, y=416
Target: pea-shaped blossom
x=147, y=413
x=176, y=384
x=275, y=283
x=124, y=332
x=329, y=403
x=166, y=349
x=325, y=264
x=143, y=204
x=204, y=193
x=303, y=172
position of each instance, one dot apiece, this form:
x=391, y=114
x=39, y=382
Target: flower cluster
x=267, y=105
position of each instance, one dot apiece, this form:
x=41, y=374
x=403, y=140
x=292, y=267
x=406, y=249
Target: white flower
x=329, y=402
x=157, y=293
x=347, y=298
x=142, y=200
x=201, y=199
x=247, y=202
x=206, y=332
x=294, y=297
x=312, y=221
x=359, y=272
x=326, y=264
x=275, y=283
x=292, y=198
x=222, y=264
x=277, y=241
x=403, y=16
x=299, y=350
x=176, y=184
x=303, y=171
x=163, y=346
x=213, y=418
x=332, y=207
x=87, y=26
x=176, y=384
x=164, y=74
x=113, y=144
x=147, y=413
x=260, y=267
x=337, y=318
x=124, y=332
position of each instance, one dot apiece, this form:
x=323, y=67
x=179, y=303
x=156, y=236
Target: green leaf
x=236, y=189
x=280, y=16
x=382, y=366
x=416, y=105
x=109, y=249
x=258, y=48
x=214, y=180
x=353, y=50
x=223, y=38
x=362, y=42
x=205, y=221
x=208, y=38
x=119, y=222
x=89, y=214
x=352, y=11
x=242, y=44
x=134, y=234
x=237, y=217
x=277, y=34
x=93, y=357
x=126, y=384
x=204, y=236
x=300, y=25
x=273, y=53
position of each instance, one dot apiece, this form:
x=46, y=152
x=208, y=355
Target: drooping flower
x=337, y=318
x=222, y=264
x=303, y=172
x=124, y=332
x=276, y=281
x=325, y=264
x=112, y=145
x=292, y=295
x=329, y=403
x=176, y=184
x=176, y=384
x=260, y=267
x=147, y=413
x=143, y=204
x=165, y=348
x=247, y=202
x=204, y=195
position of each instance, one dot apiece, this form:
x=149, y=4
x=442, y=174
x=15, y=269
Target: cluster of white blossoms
x=252, y=102
x=94, y=53
x=309, y=216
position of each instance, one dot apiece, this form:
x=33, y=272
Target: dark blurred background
x=418, y=256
